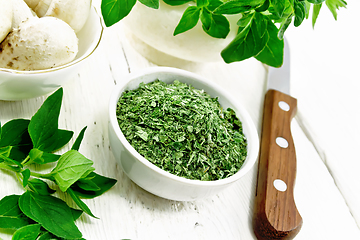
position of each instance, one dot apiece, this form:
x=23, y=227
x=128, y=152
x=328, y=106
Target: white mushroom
x=32, y=3
x=39, y=6
x=6, y=16
x=21, y=12
x=73, y=12
x=39, y=43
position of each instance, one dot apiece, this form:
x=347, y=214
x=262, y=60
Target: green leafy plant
x=261, y=25
x=37, y=214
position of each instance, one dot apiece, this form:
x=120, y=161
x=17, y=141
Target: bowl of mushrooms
x=43, y=44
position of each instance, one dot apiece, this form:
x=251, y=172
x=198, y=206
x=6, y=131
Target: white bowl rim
x=8, y=70
x=252, y=152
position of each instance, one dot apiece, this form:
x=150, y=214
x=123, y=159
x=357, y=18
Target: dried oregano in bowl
x=182, y=130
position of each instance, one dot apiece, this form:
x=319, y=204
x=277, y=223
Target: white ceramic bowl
x=154, y=28
x=17, y=85
x=154, y=179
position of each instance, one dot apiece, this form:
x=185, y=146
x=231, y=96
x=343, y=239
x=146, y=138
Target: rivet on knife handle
x=275, y=212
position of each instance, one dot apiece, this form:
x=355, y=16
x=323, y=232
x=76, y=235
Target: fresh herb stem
x=19, y=177
x=10, y=168
x=40, y=175
x=24, y=142
x=26, y=161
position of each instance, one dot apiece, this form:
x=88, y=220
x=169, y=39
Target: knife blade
x=275, y=213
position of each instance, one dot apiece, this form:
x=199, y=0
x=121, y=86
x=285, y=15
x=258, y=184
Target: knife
x=275, y=212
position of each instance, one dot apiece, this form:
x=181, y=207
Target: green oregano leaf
x=10, y=162
x=245, y=20
x=308, y=6
x=237, y=6
x=76, y=213
x=15, y=134
x=80, y=203
x=5, y=153
x=11, y=217
x=316, y=11
x=104, y=183
x=334, y=5
x=12, y=132
x=88, y=185
x=46, y=236
x=213, y=4
x=202, y=3
x=176, y=2
x=29, y=232
x=40, y=187
x=249, y=42
x=300, y=12
x=150, y=3
x=215, y=25
x=52, y=213
x=263, y=7
x=188, y=20
x=26, y=176
x=43, y=126
x=281, y=8
x=71, y=166
x=272, y=54
x=115, y=10
x=232, y=7
x=316, y=1
x=40, y=157
x=49, y=236
x=63, y=137
x=283, y=26
x=78, y=140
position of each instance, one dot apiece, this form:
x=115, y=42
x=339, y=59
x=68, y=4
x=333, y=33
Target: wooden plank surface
x=127, y=211
x=325, y=77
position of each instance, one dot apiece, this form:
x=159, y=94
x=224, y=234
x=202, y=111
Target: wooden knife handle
x=275, y=212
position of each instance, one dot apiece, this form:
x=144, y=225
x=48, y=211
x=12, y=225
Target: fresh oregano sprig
x=261, y=24
x=37, y=214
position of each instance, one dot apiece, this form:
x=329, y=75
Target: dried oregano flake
x=182, y=130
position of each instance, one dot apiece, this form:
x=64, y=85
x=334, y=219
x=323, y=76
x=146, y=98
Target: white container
x=153, y=29
x=152, y=178
x=17, y=85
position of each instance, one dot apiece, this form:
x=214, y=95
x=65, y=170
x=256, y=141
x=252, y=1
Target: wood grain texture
x=275, y=212
x=128, y=212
